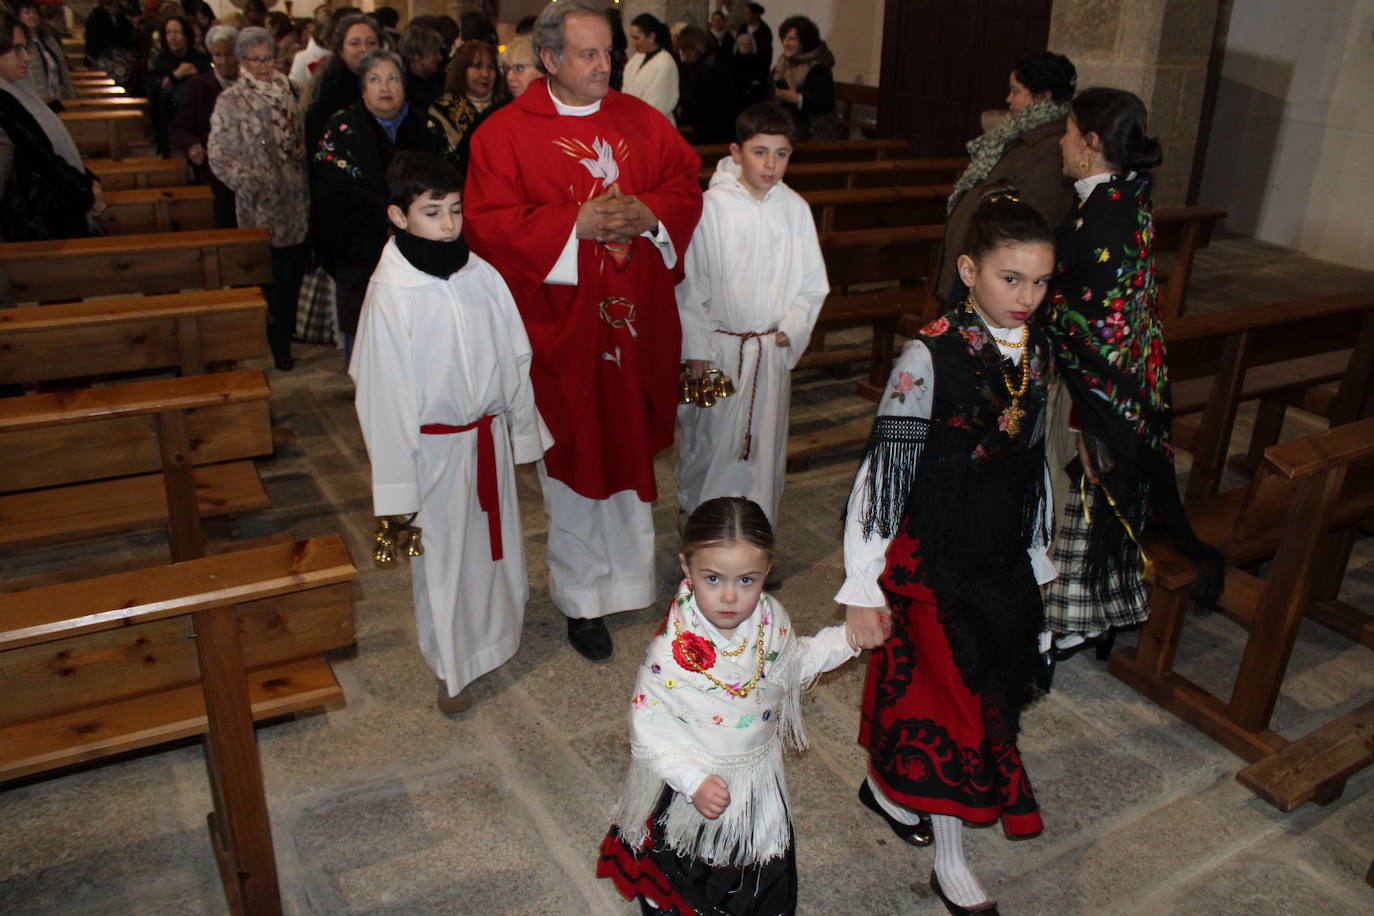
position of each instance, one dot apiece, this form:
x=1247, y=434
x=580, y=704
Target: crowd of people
x=522, y=268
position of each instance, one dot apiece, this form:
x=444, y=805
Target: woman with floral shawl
x=1109, y=351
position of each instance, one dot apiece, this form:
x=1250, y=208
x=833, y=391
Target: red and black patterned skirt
x=933, y=745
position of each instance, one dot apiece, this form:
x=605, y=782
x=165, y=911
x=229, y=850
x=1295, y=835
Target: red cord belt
x=488, y=493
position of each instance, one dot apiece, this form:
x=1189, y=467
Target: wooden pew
x=1299, y=510
x=878, y=208
x=108, y=102
x=84, y=80
x=158, y=210
x=204, y=646
x=816, y=176
x=99, y=92
x=186, y=332
x=1279, y=354
x=822, y=151
x=848, y=95
x=82, y=268
x=138, y=172
x=115, y=134
x=1181, y=231
x=129, y=457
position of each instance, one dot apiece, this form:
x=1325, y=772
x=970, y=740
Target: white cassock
x=450, y=352
x=754, y=267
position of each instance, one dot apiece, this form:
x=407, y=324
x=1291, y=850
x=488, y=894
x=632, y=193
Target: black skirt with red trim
x=934, y=746
x=681, y=886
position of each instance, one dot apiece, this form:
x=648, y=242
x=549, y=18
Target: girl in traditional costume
x=1108, y=338
x=945, y=549
x=704, y=825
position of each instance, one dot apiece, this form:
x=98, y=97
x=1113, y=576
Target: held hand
x=712, y=798
x=589, y=217
x=624, y=217
x=867, y=627
x=98, y=199
x=697, y=367
x=196, y=154
x=781, y=339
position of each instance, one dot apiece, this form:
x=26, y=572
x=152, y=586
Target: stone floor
x=386, y=806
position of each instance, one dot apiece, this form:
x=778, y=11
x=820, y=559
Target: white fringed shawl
x=678, y=715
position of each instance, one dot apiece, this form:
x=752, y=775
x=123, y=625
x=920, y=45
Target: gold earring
x=1083, y=166
x=970, y=303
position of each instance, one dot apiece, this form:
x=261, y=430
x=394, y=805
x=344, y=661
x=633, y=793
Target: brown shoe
x=449, y=705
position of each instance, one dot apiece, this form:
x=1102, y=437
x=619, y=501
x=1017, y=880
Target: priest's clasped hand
x=615, y=217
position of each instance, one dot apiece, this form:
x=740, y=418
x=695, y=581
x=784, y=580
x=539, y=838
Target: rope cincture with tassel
x=396, y=533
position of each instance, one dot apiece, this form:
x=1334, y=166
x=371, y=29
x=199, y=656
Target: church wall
x=1291, y=151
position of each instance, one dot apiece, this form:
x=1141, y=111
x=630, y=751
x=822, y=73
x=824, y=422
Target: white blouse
x=653, y=80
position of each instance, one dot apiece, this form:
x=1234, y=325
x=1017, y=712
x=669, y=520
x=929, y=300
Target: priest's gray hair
x=548, y=28
x=250, y=37
x=220, y=33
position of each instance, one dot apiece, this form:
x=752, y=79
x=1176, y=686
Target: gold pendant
x=1014, y=413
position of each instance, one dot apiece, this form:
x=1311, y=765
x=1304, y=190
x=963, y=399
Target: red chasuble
x=606, y=351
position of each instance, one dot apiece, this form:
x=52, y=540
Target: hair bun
x=1147, y=155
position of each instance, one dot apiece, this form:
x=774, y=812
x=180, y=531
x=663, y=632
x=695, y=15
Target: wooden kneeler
x=1299, y=510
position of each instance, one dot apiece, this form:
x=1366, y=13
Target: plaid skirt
x=1071, y=606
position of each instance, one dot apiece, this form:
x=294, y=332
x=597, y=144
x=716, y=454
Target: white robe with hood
x=450, y=351
x=753, y=265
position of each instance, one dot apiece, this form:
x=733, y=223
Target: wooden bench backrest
x=137, y=172
x=48, y=440
x=145, y=210
x=81, y=268
x=107, y=102
x=867, y=174
x=821, y=151
x=878, y=208
x=107, y=133
x=185, y=331
x=848, y=95
x=97, y=92
x=902, y=254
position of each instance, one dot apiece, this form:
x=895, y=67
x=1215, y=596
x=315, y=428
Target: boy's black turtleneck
x=438, y=259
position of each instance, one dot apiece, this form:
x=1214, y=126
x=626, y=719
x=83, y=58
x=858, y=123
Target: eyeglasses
x=258, y=60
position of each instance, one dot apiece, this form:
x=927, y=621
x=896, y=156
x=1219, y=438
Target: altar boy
x=444, y=399
x=754, y=285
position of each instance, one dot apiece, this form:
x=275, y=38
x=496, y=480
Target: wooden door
x=945, y=61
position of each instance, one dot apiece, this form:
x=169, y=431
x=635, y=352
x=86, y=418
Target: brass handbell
x=396, y=532
x=706, y=393
x=413, y=546
x=687, y=386
x=724, y=385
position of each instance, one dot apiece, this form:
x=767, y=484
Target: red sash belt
x=488, y=493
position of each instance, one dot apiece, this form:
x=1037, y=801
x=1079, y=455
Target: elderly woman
x=519, y=65
x=257, y=148
x=174, y=66
x=651, y=73
x=49, y=194
x=1108, y=341
x=1022, y=150
x=335, y=85
x=804, y=80
x=350, y=179
x=190, y=132
x=470, y=90
x=52, y=81
x=112, y=42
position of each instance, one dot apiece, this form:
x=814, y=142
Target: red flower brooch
x=693, y=653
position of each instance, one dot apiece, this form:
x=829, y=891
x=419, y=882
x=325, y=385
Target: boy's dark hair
x=808, y=35
x=387, y=17
x=764, y=118
x=1045, y=71
x=1002, y=218
x=1118, y=118
x=413, y=174
x=724, y=522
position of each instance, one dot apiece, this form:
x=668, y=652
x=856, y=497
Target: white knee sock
x=956, y=880
x=899, y=813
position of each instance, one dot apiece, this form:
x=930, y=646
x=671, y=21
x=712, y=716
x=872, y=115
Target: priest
x=585, y=200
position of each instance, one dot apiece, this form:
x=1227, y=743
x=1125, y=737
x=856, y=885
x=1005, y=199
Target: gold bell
x=706, y=394
x=688, y=386
x=725, y=386
x=413, y=546
x=384, y=554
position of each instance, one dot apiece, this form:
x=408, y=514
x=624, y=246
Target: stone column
x=1157, y=49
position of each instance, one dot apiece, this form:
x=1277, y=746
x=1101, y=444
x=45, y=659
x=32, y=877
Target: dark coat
x=707, y=101
x=45, y=197
x=162, y=103
x=763, y=41
x=1033, y=164
x=338, y=88
x=191, y=125
x=350, y=197
x=816, y=119
x=421, y=91
x=104, y=32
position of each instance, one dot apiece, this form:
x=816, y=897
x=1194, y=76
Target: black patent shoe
x=986, y=908
x=590, y=638
x=922, y=834
x=1101, y=644
x=284, y=363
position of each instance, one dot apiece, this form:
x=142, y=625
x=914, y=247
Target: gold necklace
x=1013, y=411
x=743, y=690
